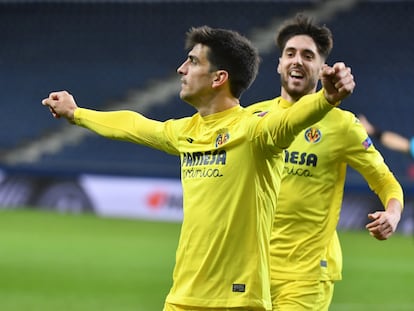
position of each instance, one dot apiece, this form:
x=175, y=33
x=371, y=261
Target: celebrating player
x=231, y=163
x=306, y=256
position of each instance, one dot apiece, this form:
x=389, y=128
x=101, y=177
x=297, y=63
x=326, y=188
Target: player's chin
x=188, y=98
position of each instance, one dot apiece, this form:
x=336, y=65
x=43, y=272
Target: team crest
x=313, y=135
x=222, y=138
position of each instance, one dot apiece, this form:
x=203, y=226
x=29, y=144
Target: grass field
x=50, y=261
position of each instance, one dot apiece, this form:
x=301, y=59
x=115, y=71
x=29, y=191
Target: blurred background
x=124, y=54
x=57, y=180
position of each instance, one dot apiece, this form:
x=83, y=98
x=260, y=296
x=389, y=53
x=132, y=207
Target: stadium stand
x=100, y=52
x=373, y=39
x=104, y=52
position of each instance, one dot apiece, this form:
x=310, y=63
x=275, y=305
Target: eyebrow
x=304, y=50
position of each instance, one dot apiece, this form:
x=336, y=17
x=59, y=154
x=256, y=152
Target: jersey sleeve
x=286, y=124
x=361, y=154
x=129, y=126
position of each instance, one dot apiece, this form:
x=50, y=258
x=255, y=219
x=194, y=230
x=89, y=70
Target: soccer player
x=389, y=139
x=306, y=256
x=231, y=162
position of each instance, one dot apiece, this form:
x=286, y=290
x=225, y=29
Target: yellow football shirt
x=304, y=242
x=231, y=165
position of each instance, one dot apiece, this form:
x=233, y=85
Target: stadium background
x=124, y=54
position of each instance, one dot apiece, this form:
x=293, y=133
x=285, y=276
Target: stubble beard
x=297, y=92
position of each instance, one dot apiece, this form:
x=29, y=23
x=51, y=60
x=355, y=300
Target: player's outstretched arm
x=61, y=104
x=337, y=81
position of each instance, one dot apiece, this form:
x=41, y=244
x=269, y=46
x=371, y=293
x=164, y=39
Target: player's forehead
x=301, y=43
x=199, y=52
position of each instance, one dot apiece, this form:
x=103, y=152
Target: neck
x=294, y=97
x=218, y=104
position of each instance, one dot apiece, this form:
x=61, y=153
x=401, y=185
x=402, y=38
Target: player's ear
x=220, y=77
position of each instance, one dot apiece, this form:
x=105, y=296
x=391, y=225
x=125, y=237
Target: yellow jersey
x=304, y=241
x=231, y=165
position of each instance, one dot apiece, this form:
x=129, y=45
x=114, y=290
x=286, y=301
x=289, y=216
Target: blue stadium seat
x=101, y=51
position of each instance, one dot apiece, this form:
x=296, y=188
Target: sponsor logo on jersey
x=305, y=160
x=216, y=157
x=203, y=164
x=301, y=158
x=313, y=135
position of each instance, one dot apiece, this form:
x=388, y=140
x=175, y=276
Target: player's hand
x=337, y=81
x=61, y=104
x=384, y=223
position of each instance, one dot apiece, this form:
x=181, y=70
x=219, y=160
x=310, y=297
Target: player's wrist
x=330, y=99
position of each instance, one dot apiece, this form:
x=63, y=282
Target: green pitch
x=50, y=261
x=77, y=263
x=377, y=275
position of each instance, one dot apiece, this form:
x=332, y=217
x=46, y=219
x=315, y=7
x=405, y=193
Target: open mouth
x=296, y=74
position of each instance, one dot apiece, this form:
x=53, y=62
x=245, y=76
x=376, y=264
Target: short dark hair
x=229, y=51
x=304, y=25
